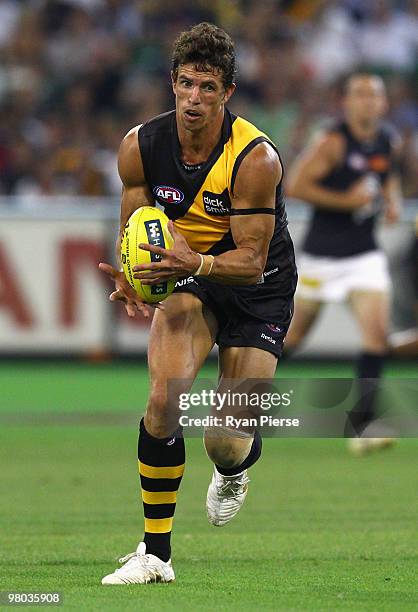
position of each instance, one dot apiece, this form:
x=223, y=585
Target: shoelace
x=129, y=556
x=233, y=488
x=143, y=561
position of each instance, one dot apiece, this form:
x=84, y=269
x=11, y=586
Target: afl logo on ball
x=168, y=195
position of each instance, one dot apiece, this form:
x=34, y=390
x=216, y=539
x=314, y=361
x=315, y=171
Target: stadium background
x=75, y=76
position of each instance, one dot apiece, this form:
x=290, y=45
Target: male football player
x=218, y=179
x=404, y=343
x=348, y=174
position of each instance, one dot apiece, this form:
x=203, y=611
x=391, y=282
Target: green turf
x=61, y=387
x=320, y=530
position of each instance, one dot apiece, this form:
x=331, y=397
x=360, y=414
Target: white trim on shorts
x=332, y=279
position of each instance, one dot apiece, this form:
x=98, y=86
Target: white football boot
x=225, y=497
x=141, y=568
x=363, y=446
x=376, y=436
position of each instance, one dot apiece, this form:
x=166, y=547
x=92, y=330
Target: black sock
x=161, y=466
x=369, y=369
x=252, y=457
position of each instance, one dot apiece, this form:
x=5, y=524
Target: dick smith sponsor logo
x=216, y=203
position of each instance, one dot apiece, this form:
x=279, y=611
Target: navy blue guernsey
x=337, y=233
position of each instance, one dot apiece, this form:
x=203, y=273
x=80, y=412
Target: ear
x=228, y=92
x=173, y=81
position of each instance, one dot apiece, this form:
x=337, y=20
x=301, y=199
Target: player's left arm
x=251, y=227
x=391, y=188
x=252, y=230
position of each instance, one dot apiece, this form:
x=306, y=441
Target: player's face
x=365, y=99
x=200, y=96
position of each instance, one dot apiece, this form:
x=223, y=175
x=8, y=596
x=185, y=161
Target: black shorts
x=251, y=315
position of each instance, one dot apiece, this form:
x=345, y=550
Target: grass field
x=320, y=530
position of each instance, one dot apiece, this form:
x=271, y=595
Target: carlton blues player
x=348, y=175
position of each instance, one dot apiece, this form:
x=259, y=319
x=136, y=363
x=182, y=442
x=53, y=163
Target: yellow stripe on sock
x=163, y=525
x=150, y=471
x=159, y=497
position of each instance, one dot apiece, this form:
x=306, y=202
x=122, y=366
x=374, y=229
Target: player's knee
x=227, y=452
x=376, y=341
x=223, y=456
x=374, y=346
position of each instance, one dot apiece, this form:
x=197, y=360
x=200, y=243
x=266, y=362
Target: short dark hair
x=360, y=74
x=206, y=46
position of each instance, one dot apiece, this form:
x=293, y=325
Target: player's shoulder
x=250, y=145
x=389, y=133
x=329, y=138
x=130, y=166
x=240, y=123
x=129, y=145
x=332, y=126
x=251, y=148
x=243, y=130
x=157, y=125
x=130, y=137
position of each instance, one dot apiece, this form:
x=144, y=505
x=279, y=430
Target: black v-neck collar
x=364, y=145
x=200, y=174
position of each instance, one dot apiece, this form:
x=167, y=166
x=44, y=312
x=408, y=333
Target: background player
x=231, y=211
x=348, y=175
x=404, y=343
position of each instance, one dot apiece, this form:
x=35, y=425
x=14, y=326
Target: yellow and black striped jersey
x=198, y=199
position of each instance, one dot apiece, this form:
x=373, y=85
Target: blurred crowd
x=76, y=75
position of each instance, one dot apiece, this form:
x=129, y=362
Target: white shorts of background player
x=332, y=279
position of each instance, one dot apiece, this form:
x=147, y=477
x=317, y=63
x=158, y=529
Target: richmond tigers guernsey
x=338, y=233
x=197, y=198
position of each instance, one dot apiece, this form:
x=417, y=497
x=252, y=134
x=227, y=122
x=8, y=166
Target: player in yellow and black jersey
x=218, y=179
x=199, y=198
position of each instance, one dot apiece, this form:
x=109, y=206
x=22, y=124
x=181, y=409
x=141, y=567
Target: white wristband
x=206, y=266
x=199, y=269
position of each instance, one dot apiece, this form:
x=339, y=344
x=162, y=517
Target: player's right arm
x=314, y=163
x=135, y=193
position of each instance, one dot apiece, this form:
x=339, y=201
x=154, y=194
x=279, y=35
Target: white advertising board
x=53, y=298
